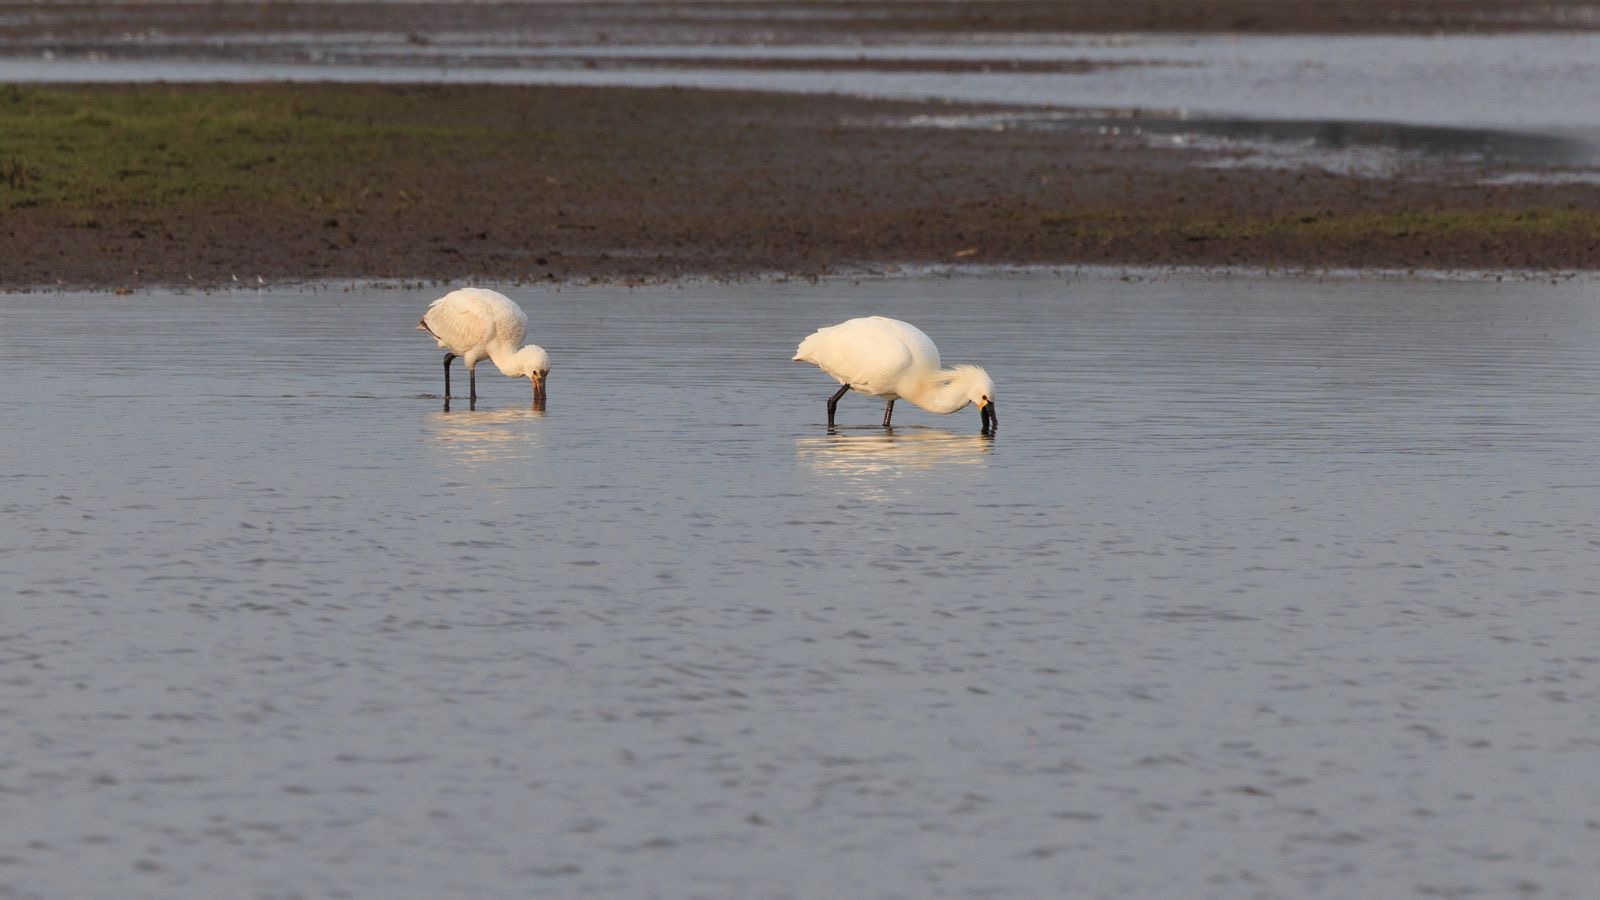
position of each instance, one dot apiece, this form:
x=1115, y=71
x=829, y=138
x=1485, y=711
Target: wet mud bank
x=164, y=184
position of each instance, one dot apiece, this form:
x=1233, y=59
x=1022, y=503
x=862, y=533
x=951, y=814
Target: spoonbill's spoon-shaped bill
x=891, y=359
x=477, y=324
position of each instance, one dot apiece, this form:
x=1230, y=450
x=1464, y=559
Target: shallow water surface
x=1267, y=587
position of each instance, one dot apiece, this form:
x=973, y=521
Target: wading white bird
x=891, y=359
x=477, y=324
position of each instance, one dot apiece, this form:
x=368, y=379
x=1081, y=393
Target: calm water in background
x=1267, y=587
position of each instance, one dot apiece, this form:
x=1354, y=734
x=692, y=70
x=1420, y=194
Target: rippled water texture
x=1266, y=587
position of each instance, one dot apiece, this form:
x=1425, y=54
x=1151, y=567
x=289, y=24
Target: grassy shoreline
x=138, y=184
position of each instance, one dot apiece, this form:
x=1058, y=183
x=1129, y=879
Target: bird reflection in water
x=472, y=405
x=472, y=438
x=872, y=460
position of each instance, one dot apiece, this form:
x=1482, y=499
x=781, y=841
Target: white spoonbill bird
x=477, y=324
x=891, y=359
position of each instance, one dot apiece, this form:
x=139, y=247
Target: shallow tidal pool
x=1265, y=587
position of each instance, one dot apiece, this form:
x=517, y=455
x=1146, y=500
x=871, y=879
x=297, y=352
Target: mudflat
x=123, y=185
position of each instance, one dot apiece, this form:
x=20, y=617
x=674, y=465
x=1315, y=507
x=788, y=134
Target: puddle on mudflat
x=1346, y=147
x=1267, y=578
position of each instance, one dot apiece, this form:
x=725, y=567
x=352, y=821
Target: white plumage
x=891, y=359
x=477, y=324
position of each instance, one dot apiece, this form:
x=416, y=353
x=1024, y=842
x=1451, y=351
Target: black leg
x=447, y=358
x=888, y=413
x=472, y=379
x=833, y=402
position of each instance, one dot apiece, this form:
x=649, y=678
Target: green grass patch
x=126, y=149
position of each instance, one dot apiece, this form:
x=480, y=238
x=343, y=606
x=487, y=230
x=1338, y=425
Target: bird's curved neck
x=500, y=353
x=940, y=393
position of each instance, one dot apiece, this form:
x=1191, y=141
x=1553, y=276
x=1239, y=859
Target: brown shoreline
x=539, y=183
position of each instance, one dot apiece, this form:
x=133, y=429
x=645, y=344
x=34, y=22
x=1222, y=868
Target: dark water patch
x=1429, y=142
x=1299, y=142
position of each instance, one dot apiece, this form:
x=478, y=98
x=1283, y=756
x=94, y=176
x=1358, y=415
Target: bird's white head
x=532, y=363
x=976, y=385
x=529, y=362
